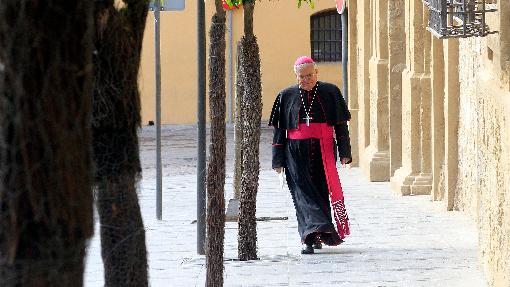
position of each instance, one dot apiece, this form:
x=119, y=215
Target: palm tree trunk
x=122, y=232
x=45, y=156
x=216, y=167
x=248, y=8
x=116, y=118
x=251, y=109
x=238, y=129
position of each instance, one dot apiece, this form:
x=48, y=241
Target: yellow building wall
x=283, y=33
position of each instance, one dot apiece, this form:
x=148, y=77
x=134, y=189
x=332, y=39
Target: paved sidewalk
x=395, y=240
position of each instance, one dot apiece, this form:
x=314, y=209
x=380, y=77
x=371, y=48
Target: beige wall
x=283, y=33
x=454, y=98
x=483, y=187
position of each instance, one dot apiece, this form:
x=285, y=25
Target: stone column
x=423, y=182
x=397, y=64
x=364, y=52
x=352, y=11
x=438, y=129
x=451, y=114
x=377, y=164
x=405, y=176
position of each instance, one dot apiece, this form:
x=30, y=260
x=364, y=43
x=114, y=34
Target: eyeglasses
x=306, y=77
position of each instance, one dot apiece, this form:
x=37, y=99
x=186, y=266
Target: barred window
x=326, y=36
x=459, y=18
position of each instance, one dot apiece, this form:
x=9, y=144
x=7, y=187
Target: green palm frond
x=311, y=3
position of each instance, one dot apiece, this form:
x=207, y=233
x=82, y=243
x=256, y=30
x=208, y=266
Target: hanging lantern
x=458, y=18
x=231, y=4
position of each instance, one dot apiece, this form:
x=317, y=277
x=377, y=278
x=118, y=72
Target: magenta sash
x=324, y=133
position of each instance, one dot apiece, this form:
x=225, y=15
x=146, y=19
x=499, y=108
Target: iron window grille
x=326, y=36
x=458, y=18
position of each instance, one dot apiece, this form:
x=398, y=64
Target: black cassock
x=302, y=158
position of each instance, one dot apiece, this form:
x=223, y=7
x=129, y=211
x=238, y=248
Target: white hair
x=298, y=67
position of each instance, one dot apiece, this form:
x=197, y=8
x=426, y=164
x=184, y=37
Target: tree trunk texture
x=238, y=128
x=248, y=8
x=45, y=156
x=251, y=109
x=216, y=167
x=115, y=120
x=122, y=233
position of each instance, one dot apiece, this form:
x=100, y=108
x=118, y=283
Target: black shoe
x=317, y=245
x=307, y=249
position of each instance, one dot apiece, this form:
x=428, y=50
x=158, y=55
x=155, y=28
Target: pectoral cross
x=308, y=118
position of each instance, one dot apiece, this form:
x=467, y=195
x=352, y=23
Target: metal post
x=201, y=194
x=483, y=18
x=230, y=68
x=464, y=17
x=345, y=55
x=159, y=183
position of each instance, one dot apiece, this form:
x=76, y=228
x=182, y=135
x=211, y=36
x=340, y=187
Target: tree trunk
x=238, y=128
x=248, y=8
x=45, y=156
x=216, y=167
x=251, y=109
x=116, y=118
x=122, y=232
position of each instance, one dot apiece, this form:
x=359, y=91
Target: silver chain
x=311, y=102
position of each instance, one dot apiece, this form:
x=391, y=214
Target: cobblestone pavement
x=395, y=240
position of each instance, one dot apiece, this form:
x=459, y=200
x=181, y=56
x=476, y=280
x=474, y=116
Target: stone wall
x=483, y=185
x=434, y=115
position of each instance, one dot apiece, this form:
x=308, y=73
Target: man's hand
x=343, y=160
x=278, y=169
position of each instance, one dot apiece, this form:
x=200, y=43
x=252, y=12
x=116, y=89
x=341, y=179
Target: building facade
x=283, y=31
x=432, y=116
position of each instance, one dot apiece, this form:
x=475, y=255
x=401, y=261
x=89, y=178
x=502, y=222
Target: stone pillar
x=397, y=64
x=423, y=182
x=438, y=128
x=405, y=176
x=364, y=52
x=352, y=11
x=377, y=164
x=451, y=114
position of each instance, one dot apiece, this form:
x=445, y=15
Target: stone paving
x=395, y=240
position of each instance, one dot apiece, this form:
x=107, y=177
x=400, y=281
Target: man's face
x=307, y=76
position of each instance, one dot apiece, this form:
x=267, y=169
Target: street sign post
x=157, y=6
x=340, y=7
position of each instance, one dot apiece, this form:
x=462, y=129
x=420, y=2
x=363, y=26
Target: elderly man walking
x=310, y=123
